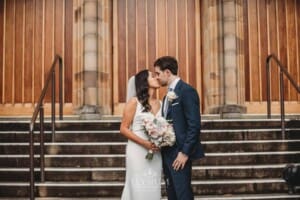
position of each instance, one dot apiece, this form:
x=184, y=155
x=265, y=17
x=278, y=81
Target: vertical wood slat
x=18, y=57
x=161, y=28
x=191, y=50
x=291, y=44
x=9, y=51
x=246, y=52
x=131, y=37
x=282, y=53
x=182, y=31
x=151, y=32
x=68, y=46
x=58, y=35
x=1, y=48
x=28, y=52
x=38, y=49
x=161, y=46
x=141, y=35
x=122, y=35
x=253, y=51
x=48, y=41
x=171, y=28
x=273, y=48
x=263, y=41
x=198, y=45
x=298, y=40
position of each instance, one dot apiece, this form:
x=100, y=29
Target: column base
x=229, y=111
x=89, y=112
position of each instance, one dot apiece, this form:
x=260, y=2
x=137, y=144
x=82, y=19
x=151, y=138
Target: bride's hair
x=142, y=87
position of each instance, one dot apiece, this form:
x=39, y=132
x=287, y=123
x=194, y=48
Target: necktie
x=167, y=103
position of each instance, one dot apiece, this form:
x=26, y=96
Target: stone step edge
x=124, y=143
x=117, y=131
x=206, y=197
x=58, y=121
x=123, y=155
x=117, y=183
x=88, y=169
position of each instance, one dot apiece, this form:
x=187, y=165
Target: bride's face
x=152, y=81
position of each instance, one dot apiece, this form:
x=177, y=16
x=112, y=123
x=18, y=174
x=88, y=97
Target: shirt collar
x=174, y=83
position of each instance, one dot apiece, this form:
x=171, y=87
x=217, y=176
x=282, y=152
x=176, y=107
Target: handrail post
x=60, y=90
x=282, y=110
x=268, y=90
x=31, y=143
x=40, y=110
x=53, y=106
x=42, y=157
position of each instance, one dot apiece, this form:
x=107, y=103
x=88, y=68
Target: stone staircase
x=244, y=160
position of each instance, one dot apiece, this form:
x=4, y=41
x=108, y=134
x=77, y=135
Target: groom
x=181, y=107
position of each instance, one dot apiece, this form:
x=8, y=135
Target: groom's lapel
x=177, y=91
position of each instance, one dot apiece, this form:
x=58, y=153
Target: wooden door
x=271, y=27
x=31, y=33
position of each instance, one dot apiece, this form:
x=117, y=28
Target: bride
x=143, y=176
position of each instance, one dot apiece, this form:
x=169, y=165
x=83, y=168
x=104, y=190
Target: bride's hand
x=150, y=146
x=154, y=148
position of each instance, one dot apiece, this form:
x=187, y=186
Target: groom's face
x=162, y=76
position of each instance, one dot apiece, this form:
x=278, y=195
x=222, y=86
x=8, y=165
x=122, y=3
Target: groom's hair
x=167, y=62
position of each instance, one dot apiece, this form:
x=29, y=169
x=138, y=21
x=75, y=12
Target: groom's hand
x=180, y=161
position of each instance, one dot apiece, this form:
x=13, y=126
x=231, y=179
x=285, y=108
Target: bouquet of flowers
x=159, y=131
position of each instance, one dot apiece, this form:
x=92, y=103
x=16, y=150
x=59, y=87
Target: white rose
x=171, y=95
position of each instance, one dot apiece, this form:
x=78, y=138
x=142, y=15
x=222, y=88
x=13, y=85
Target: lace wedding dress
x=143, y=177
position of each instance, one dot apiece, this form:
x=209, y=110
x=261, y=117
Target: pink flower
x=159, y=132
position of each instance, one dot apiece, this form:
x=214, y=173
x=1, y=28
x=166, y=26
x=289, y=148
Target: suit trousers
x=178, y=183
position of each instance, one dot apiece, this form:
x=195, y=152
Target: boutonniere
x=171, y=96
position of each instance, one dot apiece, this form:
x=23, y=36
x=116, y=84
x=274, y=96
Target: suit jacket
x=184, y=114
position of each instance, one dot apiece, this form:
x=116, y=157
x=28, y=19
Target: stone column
x=230, y=70
x=222, y=75
x=90, y=108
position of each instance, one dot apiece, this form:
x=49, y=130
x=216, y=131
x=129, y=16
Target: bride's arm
x=127, y=118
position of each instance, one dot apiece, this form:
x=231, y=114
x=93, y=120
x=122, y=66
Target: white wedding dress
x=143, y=176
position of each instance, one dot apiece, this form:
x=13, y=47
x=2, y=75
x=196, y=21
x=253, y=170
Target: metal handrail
x=283, y=71
x=39, y=109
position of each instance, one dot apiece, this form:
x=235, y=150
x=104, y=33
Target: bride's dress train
x=143, y=177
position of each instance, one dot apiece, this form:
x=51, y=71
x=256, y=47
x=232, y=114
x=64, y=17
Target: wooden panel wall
x=271, y=26
x=147, y=29
x=31, y=33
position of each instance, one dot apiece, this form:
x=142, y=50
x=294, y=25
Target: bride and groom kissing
x=143, y=176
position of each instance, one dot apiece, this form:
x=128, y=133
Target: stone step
x=20, y=125
x=120, y=147
x=118, y=160
x=118, y=174
x=115, y=136
x=114, y=189
x=272, y=196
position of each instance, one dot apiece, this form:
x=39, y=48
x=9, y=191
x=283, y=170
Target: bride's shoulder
x=131, y=105
x=132, y=101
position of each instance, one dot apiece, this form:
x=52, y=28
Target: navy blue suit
x=184, y=114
